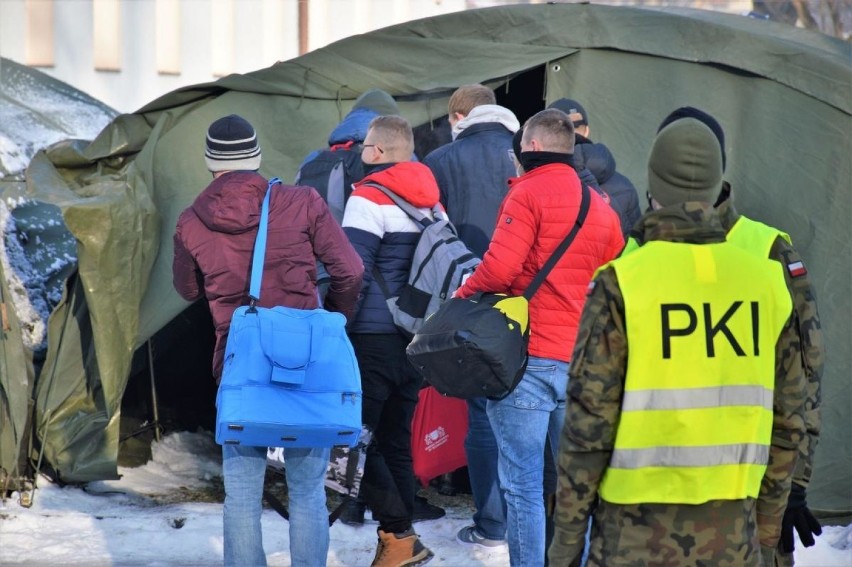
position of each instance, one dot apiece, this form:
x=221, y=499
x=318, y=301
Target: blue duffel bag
x=290, y=377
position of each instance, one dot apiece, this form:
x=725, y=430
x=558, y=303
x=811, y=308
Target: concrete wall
x=261, y=33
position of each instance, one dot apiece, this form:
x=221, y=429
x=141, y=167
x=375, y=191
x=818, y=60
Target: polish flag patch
x=590, y=288
x=797, y=269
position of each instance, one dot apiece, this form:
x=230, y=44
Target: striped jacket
x=385, y=237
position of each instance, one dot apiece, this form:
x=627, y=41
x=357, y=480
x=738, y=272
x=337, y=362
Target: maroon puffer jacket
x=214, y=241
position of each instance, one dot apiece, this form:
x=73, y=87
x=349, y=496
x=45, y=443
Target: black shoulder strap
x=563, y=246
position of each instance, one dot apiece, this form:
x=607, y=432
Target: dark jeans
x=391, y=387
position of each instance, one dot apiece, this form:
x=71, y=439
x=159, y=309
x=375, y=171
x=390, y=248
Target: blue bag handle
x=259, y=254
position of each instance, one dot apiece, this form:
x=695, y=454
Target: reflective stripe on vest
x=743, y=453
x=702, y=322
x=691, y=398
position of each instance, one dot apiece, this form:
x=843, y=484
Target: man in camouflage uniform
x=806, y=319
x=738, y=531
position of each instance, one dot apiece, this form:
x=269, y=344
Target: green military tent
x=782, y=95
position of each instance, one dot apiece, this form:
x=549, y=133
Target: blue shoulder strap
x=260, y=246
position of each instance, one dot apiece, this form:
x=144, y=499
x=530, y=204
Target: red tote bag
x=438, y=430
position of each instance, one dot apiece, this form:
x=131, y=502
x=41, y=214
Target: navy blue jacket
x=471, y=173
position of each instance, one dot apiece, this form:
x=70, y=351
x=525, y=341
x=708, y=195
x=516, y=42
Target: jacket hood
x=411, y=180
x=353, y=127
x=231, y=204
x=487, y=113
x=597, y=158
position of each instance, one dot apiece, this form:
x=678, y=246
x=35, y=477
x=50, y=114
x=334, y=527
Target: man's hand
x=798, y=516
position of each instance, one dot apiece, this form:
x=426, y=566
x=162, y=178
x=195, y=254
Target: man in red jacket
x=213, y=247
x=536, y=215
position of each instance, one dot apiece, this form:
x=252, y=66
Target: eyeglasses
x=378, y=149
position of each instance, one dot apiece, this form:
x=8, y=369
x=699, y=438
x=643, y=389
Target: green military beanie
x=378, y=101
x=685, y=164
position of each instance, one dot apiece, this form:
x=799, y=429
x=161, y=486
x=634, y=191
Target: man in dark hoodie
x=597, y=158
x=385, y=237
x=213, y=246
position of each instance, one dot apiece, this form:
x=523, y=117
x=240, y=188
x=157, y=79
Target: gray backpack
x=440, y=265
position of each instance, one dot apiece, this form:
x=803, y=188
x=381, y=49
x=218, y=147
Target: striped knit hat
x=232, y=145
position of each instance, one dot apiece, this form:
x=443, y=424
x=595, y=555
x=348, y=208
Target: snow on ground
x=122, y=523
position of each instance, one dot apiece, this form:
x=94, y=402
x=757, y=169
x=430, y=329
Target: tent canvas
x=780, y=93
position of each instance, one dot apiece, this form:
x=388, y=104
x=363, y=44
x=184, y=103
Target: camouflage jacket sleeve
x=788, y=428
x=813, y=350
x=595, y=388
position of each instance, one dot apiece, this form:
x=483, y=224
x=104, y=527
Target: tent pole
x=153, y=390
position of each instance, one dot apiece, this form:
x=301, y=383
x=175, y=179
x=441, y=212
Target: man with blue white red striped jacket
x=385, y=238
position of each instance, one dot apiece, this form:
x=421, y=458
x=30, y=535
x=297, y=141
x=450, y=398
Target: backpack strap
x=563, y=246
x=407, y=207
x=336, y=191
x=259, y=254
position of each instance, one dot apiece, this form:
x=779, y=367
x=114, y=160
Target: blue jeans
x=480, y=447
x=521, y=423
x=244, y=469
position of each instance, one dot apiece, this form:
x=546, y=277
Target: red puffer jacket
x=535, y=217
x=214, y=241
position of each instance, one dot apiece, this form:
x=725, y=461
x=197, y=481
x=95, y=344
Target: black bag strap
x=380, y=279
x=563, y=246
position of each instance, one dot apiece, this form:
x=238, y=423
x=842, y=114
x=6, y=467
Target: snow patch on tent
x=36, y=111
x=37, y=253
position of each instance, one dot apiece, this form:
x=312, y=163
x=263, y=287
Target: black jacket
x=600, y=161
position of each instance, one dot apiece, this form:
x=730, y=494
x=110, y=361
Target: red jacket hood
x=231, y=204
x=411, y=180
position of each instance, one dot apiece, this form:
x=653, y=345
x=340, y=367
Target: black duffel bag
x=477, y=347
x=471, y=348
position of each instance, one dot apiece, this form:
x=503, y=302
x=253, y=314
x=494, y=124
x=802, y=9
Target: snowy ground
x=130, y=522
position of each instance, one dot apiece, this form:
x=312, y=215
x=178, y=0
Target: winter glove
x=798, y=516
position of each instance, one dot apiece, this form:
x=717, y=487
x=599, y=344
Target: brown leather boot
x=400, y=550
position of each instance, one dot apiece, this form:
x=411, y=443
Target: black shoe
x=425, y=511
x=353, y=513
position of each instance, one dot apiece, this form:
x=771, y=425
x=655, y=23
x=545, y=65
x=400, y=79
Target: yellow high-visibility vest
x=630, y=246
x=755, y=236
x=746, y=233
x=702, y=323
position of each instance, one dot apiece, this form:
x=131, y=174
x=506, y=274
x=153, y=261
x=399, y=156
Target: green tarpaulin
x=782, y=95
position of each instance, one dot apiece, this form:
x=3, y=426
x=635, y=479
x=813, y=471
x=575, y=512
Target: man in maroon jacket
x=213, y=246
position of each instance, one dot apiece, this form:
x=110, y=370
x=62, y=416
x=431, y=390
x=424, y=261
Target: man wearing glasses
x=385, y=238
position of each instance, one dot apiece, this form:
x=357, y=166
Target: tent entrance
x=184, y=393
